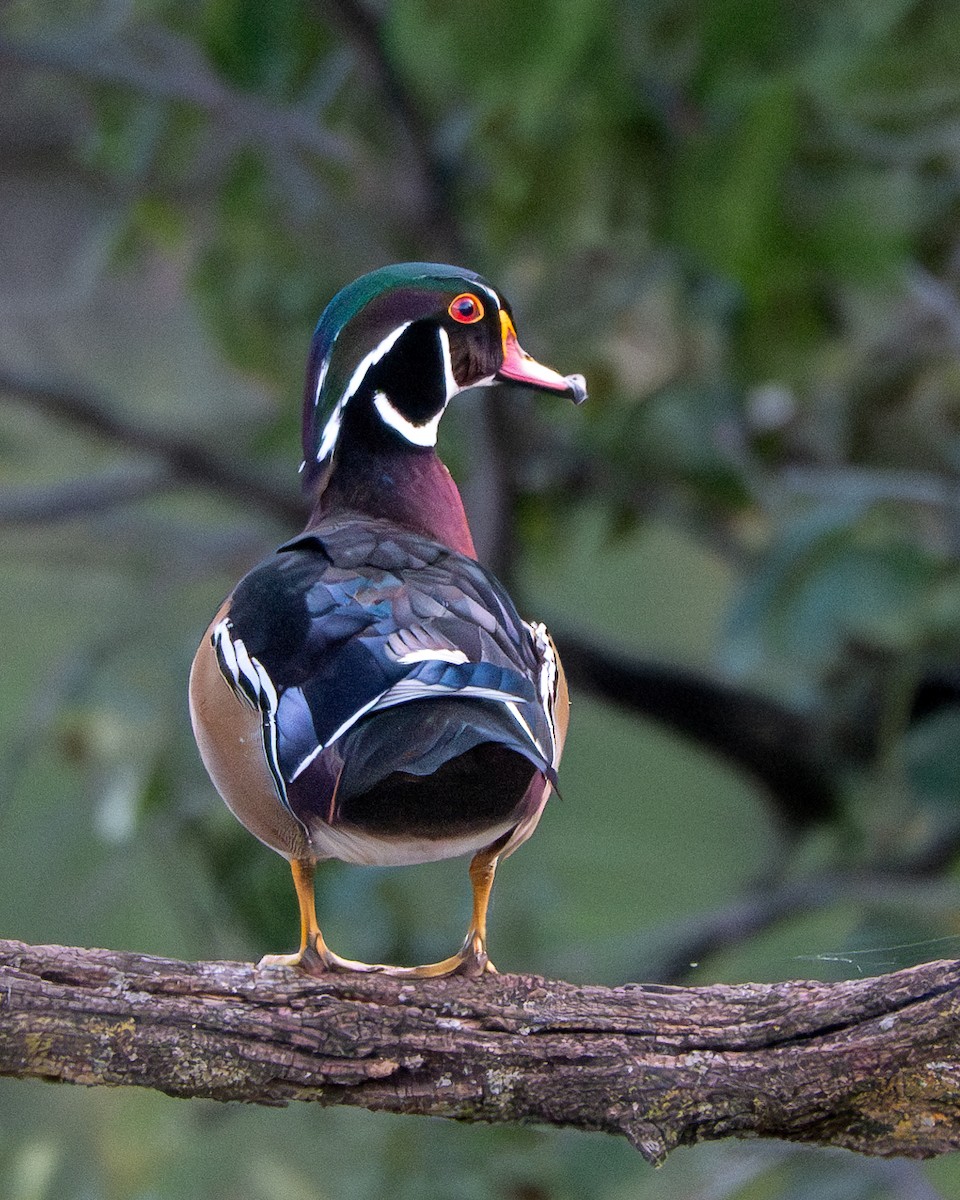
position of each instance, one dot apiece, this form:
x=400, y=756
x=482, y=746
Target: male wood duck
x=369, y=692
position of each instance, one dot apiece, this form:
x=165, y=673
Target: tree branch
x=86, y=497
x=675, y=946
x=777, y=746
x=430, y=177
x=869, y=1064
x=166, y=67
x=189, y=461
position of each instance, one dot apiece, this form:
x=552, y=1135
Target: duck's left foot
x=316, y=958
x=471, y=961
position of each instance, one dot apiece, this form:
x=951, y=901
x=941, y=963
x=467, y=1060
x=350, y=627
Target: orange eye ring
x=466, y=309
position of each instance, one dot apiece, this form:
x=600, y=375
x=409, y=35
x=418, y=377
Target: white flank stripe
x=221, y=635
x=247, y=669
x=267, y=690
x=518, y=716
x=407, y=690
x=548, y=671
x=239, y=662
x=548, y=678
x=339, y=732
x=307, y=761
x=450, y=656
x=265, y=686
x=413, y=689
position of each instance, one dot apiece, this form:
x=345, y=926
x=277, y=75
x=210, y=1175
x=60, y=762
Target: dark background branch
x=84, y=497
x=431, y=178
x=781, y=749
x=188, y=460
x=168, y=68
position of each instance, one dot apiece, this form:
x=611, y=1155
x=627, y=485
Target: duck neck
x=409, y=486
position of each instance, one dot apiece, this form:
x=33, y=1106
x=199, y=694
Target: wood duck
x=369, y=692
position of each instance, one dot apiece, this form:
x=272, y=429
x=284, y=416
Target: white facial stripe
x=331, y=431
x=321, y=376
x=417, y=435
x=424, y=434
x=452, y=387
x=487, y=291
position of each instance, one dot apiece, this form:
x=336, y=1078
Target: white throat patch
x=424, y=434
x=418, y=435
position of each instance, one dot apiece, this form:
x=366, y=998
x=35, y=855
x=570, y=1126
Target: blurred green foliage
x=739, y=220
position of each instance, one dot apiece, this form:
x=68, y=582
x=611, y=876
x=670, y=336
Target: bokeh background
x=742, y=222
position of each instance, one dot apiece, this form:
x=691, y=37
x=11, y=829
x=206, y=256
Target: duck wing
x=356, y=617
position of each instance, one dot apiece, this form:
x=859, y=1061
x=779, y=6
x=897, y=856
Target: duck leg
x=314, y=956
x=471, y=958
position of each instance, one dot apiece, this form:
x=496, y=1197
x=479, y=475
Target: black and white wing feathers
x=355, y=618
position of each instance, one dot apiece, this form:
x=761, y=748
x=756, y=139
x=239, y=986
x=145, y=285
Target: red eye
x=466, y=308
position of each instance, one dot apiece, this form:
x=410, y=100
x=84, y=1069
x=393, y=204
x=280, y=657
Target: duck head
x=394, y=347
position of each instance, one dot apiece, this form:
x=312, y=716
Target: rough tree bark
x=870, y=1064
